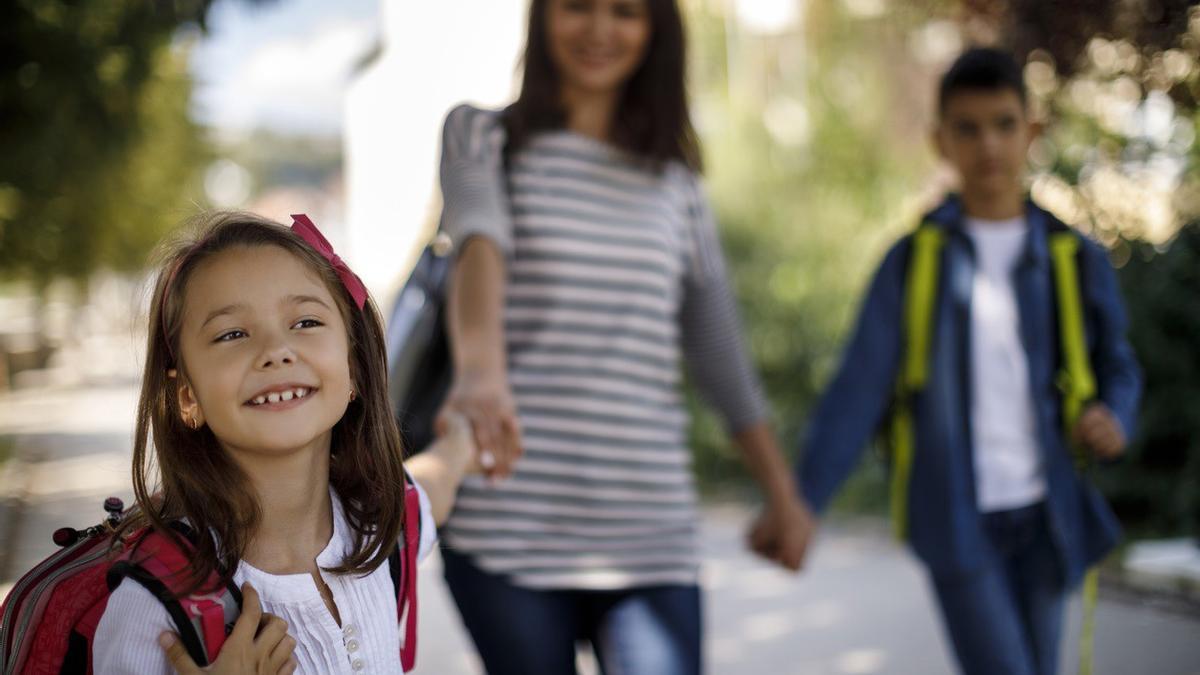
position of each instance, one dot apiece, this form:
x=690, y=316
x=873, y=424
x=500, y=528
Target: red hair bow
x=304, y=227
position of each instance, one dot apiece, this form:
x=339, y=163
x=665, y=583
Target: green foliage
x=814, y=154
x=99, y=153
x=1156, y=490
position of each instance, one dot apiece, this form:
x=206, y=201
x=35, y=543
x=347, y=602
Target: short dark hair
x=652, y=120
x=981, y=68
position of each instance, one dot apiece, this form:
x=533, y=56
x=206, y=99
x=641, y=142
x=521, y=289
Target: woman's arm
x=475, y=213
x=720, y=367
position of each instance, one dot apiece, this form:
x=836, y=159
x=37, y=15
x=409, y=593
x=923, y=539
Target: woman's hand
x=782, y=532
x=486, y=401
x=259, y=644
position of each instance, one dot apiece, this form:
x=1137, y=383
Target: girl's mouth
x=281, y=399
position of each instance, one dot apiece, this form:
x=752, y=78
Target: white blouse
x=368, y=641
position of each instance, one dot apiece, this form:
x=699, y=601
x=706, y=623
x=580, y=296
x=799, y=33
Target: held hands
x=486, y=401
x=259, y=644
x=782, y=532
x=1099, y=430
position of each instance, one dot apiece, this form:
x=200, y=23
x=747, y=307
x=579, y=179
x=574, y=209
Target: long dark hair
x=652, y=120
x=198, y=480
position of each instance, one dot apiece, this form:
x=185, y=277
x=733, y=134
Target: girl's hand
x=486, y=401
x=259, y=644
x=459, y=441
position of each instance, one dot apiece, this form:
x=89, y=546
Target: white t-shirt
x=368, y=641
x=1008, y=468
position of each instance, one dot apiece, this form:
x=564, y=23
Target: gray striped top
x=614, y=272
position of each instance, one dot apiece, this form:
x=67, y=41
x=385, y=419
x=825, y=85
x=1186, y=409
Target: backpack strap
x=1077, y=383
x=1075, y=380
x=202, y=618
x=402, y=565
x=920, y=294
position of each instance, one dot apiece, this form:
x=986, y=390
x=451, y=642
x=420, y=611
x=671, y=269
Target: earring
x=191, y=423
x=353, y=395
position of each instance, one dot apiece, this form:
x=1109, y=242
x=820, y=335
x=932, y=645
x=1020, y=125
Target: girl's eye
x=308, y=323
x=230, y=335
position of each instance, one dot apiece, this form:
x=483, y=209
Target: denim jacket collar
x=951, y=216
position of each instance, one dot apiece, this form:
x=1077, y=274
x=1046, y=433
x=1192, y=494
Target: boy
x=994, y=504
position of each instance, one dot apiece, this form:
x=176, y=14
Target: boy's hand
x=782, y=532
x=259, y=644
x=1099, y=430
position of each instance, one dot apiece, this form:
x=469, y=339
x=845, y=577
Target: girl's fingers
x=246, y=626
x=177, y=656
x=281, y=654
x=272, y=632
x=289, y=667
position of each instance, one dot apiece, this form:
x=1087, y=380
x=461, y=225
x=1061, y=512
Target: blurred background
x=122, y=118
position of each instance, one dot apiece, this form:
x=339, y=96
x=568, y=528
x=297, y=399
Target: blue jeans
x=653, y=630
x=1007, y=618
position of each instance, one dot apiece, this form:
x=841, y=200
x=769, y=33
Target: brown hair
x=198, y=480
x=651, y=121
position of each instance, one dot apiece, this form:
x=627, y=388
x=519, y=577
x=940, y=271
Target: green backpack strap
x=1077, y=383
x=1076, y=380
x=920, y=295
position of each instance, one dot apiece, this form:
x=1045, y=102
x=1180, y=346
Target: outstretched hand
x=486, y=401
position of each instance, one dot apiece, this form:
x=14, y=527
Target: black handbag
x=420, y=370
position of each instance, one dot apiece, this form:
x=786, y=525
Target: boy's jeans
x=1007, y=618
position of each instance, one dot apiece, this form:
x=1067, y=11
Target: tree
x=99, y=151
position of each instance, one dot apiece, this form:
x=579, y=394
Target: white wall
x=435, y=54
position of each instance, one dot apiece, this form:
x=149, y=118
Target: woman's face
x=597, y=45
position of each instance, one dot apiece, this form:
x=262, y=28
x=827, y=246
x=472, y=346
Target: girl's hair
x=652, y=119
x=199, y=481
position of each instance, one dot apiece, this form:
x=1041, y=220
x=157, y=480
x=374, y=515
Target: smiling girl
x=264, y=409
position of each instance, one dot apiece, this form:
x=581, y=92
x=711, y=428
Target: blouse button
x=352, y=646
x=357, y=664
x=348, y=631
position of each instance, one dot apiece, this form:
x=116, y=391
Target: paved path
x=862, y=607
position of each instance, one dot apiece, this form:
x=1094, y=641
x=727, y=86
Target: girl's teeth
x=287, y=395
x=273, y=397
x=301, y=393
x=260, y=400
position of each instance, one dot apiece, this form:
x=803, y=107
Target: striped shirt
x=615, y=277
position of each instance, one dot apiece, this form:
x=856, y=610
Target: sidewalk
x=861, y=607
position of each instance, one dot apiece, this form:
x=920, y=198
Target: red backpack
x=51, y=614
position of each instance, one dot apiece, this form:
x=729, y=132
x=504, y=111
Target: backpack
x=420, y=371
x=49, y=618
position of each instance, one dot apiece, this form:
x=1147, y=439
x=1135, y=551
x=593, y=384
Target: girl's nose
x=276, y=356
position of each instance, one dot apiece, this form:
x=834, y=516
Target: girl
x=588, y=264
x=264, y=397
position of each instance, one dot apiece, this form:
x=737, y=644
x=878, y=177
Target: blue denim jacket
x=944, y=521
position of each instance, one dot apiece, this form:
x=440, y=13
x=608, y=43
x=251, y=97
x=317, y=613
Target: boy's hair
x=981, y=68
x=198, y=480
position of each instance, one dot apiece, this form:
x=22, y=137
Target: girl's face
x=597, y=45
x=265, y=350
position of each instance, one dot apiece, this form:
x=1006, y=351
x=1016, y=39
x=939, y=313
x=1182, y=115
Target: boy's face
x=985, y=135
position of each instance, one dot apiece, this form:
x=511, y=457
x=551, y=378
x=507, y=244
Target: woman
x=588, y=264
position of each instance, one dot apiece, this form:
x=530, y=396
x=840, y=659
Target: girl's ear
x=189, y=407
